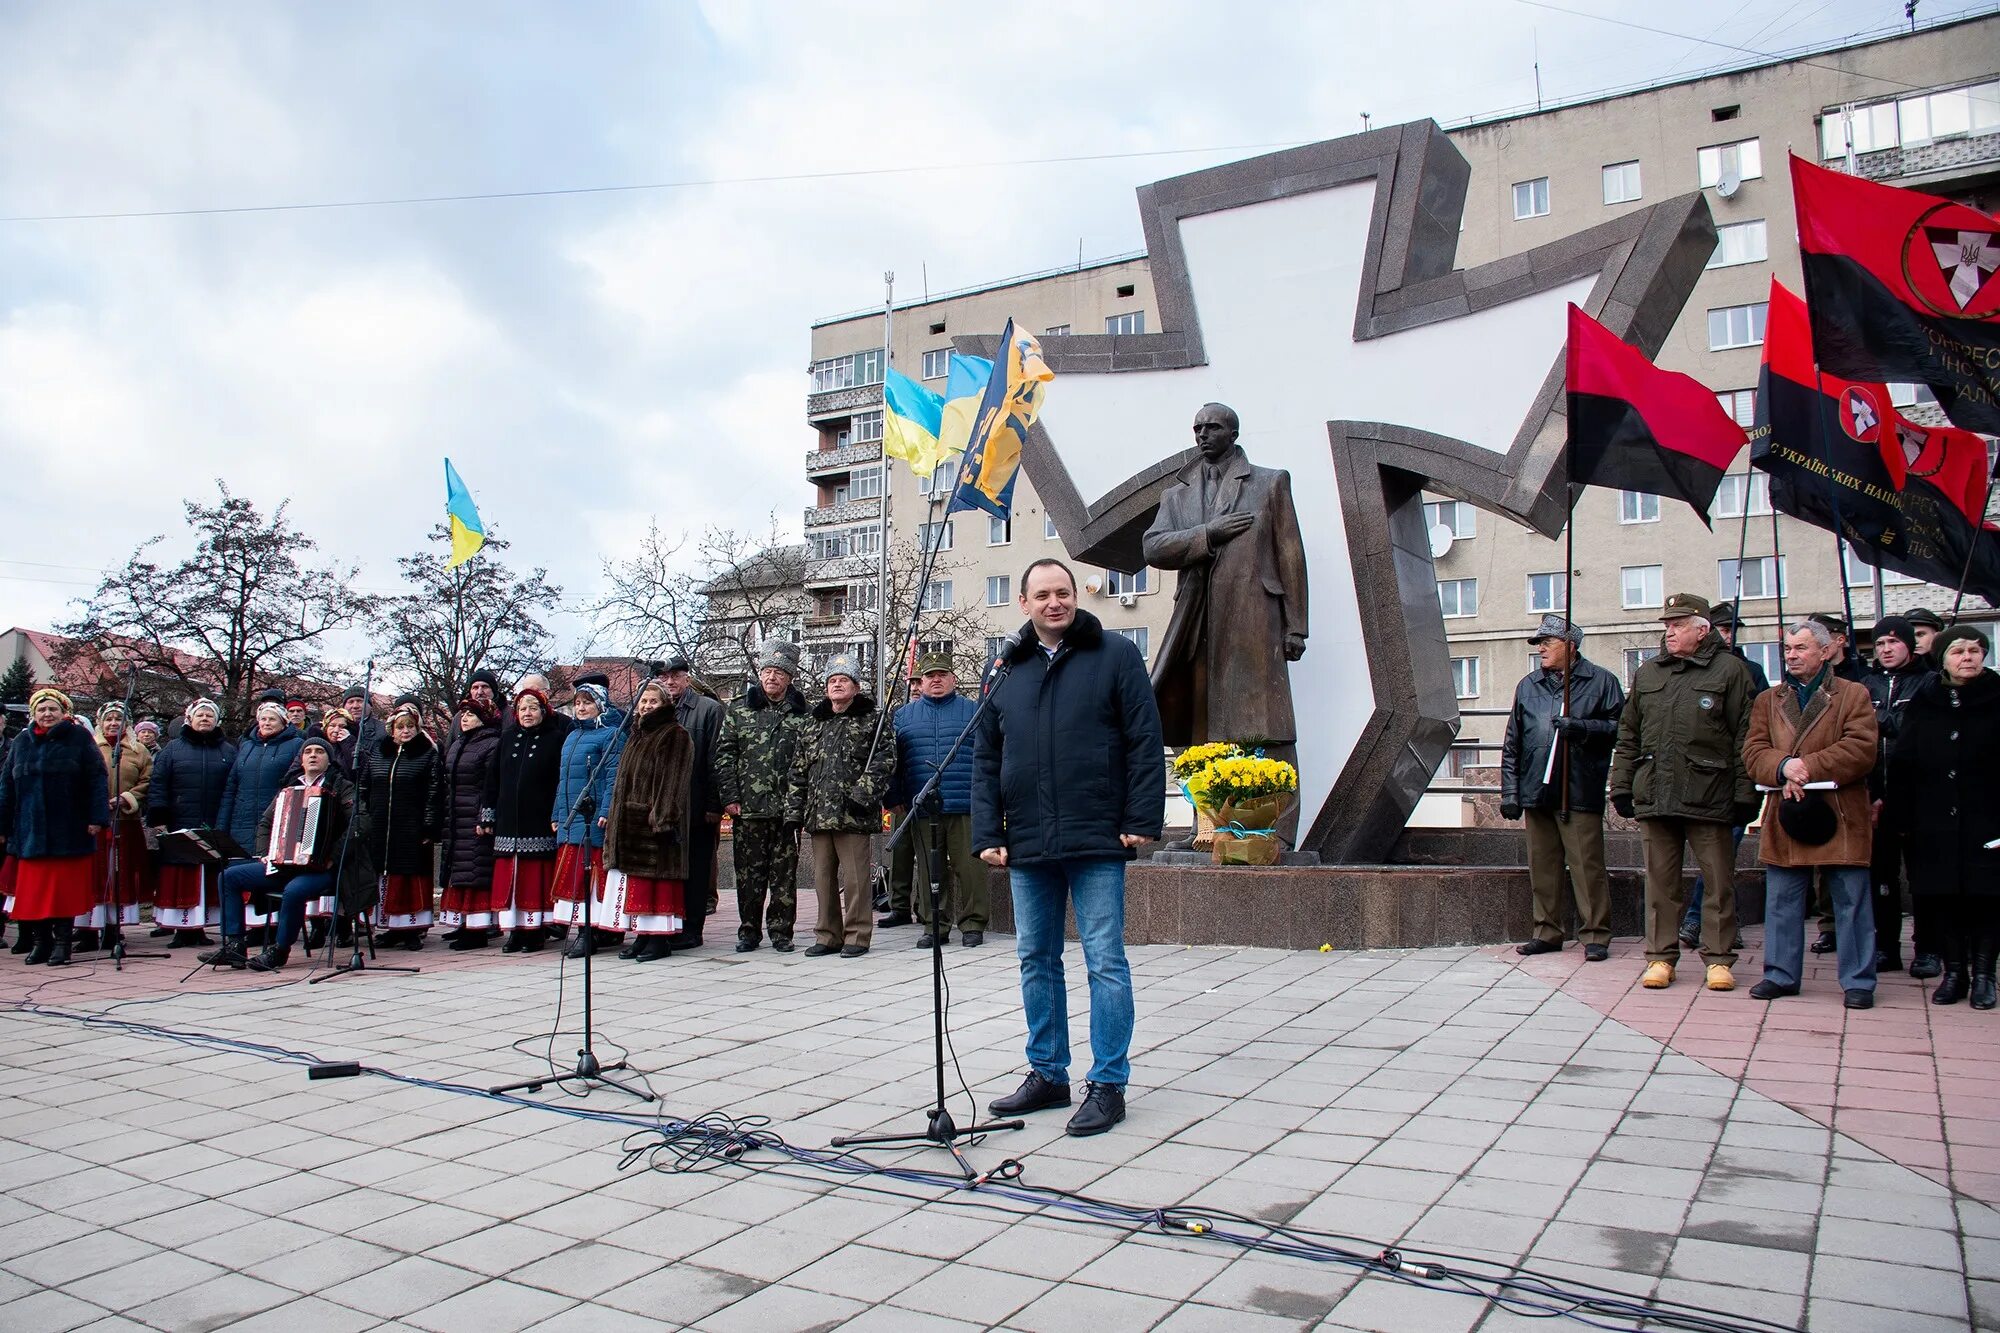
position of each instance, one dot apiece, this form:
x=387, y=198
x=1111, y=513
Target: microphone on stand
x=997, y=668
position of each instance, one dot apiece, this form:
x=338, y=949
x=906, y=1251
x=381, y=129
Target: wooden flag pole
x=1972, y=549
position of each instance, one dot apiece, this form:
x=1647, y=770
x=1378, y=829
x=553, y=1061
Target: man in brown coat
x=1812, y=746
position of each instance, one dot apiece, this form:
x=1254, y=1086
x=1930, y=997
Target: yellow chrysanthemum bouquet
x=1243, y=793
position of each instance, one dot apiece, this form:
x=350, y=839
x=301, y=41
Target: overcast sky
x=593, y=361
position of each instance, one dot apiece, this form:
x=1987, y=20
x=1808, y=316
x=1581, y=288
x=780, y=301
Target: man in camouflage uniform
x=839, y=776
x=753, y=763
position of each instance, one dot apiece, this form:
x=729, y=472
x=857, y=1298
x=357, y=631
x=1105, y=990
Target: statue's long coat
x=1233, y=607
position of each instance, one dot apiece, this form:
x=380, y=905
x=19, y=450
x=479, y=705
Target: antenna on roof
x=1536, y=34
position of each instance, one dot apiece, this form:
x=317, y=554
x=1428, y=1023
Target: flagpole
x=1972, y=547
x=1833, y=498
x=1777, y=573
x=882, y=542
x=1569, y=627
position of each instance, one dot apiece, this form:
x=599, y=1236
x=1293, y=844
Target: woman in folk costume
x=401, y=783
x=590, y=756
x=466, y=906
x=520, y=791
x=645, y=845
x=339, y=733
x=54, y=801
x=189, y=775
x=124, y=866
x=21, y=941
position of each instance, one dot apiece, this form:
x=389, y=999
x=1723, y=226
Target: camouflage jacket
x=830, y=791
x=753, y=756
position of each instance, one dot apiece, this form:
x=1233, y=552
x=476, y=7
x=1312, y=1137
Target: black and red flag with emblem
x=1840, y=456
x=1902, y=287
x=1636, y=427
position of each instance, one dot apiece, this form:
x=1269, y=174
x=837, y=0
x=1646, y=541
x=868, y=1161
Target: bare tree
x=242, y=611
x=654, y=606
x=454, y=621
x=963, y=624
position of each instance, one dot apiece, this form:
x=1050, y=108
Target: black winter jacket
x=52, y=790
x=1940, y=794
x=1070, y=753
x=402, y=803
x=1891, y=692
x=1595, y=699
x=190, y=774
x=468, y=854
x=521, y=788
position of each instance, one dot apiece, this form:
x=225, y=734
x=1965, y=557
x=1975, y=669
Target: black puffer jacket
x=190, y=774
x=1940, y=795
x=521, y=788
x=402, y=802
x=1595, y=699
x=468, y=854
x=1069, y=755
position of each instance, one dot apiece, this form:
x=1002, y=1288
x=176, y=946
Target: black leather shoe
x=1859, y=999
x=44, y=944
x=653, y=949
x=24, y=937
x=1771, y=990
x=1825, y=943
x=854, y=951
x=1535, y=946
x=926, y=941
x=1952, y=986
x=516, y=941
x=1925, y=966
x=631, y=950
x=577, y=947
x=1888, y=962
x=972, y=939
x=1035, y=1094
x=1596, y=953
x=781, y=946
x=1984, y=993
x=746, y=946
x=1103, y=1106
x=893, y=920
x=534, y=941
x=271, y=959
x=820, y=950
x=228, y=954
x=468, y=940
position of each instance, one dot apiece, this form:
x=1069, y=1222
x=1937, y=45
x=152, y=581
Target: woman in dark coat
x=466, y=906
x=583, y=804
x=266, y=760
x=520, y=791
x=645, y=846
x=401, y=791
x=1939, y=797
x=54, y=800
x=190, y=774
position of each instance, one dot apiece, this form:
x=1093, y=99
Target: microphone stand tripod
x=364, y=928
x=589, y=1069
x=112, y=939
x=940, y=1130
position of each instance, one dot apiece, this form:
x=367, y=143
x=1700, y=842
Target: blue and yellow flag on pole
x=910, y=420
x=467, y=534
x=1012, y=401
x=964, y=386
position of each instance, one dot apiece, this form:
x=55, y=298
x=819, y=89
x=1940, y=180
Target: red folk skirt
x=406, y=903
x=7, y=865
x=650, y=906
x=184, y=897
x=522, y=890
x=575, y=875
x=134, y=883
x=48, y=888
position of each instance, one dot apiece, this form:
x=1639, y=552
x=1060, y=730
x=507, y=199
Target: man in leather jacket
x=1899, y=673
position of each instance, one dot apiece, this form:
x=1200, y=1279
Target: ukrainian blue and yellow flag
x=910, y=423
x=462, y=516
x=964, y=386
x=1012, y=401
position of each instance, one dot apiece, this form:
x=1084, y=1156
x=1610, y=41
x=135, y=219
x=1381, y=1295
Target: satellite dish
x=1093, y=584
x=1440, y=541
x=1731, y=182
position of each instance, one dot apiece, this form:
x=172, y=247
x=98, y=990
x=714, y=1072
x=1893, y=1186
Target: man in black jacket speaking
x=1069, y=775
x=1564, y=721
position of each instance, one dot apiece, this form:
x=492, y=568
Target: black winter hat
x=598, y=678
x=1808, y=821
x=484, y=676
x=353, y=692
x=1895, y=627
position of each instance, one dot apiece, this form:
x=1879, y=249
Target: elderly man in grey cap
x=1553, y=764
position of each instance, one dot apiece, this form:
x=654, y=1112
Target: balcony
x=846, y=511
x=840, y=402
x=841, y=569
x=1937, y=163
x=822, y=461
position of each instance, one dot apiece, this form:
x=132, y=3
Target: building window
x=1458, y=597
x=934, y=536
x=1769, y=656
x=1742, y=160
x=1117, y=584
x=1636, y=658
x=1048, y=527
x=1546, y=593
x=1643, y=586
x=1140, y=638
x=1638, y=507
x=996, y=589
x=939, y=482
x=1621, y=182
x=829, y=545
x=1762, y=577
x=867, y=427
x=999, y=531
x=1874, y=128
x=861, y=596
x=1735, y=326
x=1729, y=495
x=937, y=595
x=1740, y=404
x=1861, y=574
x=1465, y=677
x=864, y=540
x=1132, y=321
x=937, y=364
x=1912, y=395
x=867, y=481
x=847, y=372
x=830, y=605
x=927, y=646
x=1454, y=517
x=994, y=643
x=1739, y=243
x=1056, y=331
x=1531, y=198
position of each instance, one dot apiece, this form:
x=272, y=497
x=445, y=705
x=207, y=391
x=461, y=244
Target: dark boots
x=43, y=941
x=228, y=954
x=1957, y=979
x=59, y=955
x=1984, y=993
x=273, y=957
x=27, y=933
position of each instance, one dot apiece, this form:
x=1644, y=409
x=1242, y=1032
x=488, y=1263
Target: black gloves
x=1622, y=803
x=1573, y=727
x=1509, y=811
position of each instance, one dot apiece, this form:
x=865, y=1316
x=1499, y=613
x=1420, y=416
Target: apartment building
x=1914, y=108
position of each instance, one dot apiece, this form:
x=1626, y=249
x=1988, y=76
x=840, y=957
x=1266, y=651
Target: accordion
x=297, y=818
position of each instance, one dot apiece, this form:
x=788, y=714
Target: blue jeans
x=1097, y=889
x=1787, y=890
x=249, y=877
x=1691, y=919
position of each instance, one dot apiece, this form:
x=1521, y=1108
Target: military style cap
x=1923, y=615
x=1831, y=619
x=1684, y=604
x=780, y=654
x=1725, y=613
x=844, y=664
x=930, y=662
x=1555, y=627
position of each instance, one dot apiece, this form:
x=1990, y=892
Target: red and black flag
x=1902, y=287
x=1841, y=457
x=1636, y=427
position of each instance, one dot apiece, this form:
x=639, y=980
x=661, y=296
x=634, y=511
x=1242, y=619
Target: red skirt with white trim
x=649, y=906
x=48, y=888
x=184, y=897
x=406, y=903
x=521, y=891
x=575, y=875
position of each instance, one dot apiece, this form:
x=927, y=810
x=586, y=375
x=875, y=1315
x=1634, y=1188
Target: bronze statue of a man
x=1240, y=609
